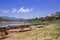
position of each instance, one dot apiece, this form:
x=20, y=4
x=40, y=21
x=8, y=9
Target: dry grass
x=51, y=32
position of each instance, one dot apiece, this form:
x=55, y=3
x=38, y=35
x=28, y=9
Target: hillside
x=50, y=32
x=1, y=19
x=5, y=18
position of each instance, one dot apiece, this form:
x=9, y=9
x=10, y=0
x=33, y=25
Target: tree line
x=48, y=17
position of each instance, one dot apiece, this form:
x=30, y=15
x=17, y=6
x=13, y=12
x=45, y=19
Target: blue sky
x=28, y=8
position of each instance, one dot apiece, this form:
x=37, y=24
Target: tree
x=58, y=14
x=41, y=19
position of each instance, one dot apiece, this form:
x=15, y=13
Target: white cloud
x=21, y=10
x=25, y=10
x=14, y=10
x=5, y=11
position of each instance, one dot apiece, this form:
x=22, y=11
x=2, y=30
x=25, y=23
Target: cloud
x=25, y=10
x=5, y=11
x=14, y=10
x=21, y=10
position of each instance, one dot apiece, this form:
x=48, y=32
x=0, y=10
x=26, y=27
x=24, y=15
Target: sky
x=28, y=8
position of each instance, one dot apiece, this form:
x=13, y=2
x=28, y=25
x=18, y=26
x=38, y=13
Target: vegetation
x=40, y=19
x=58, y=14
x=1, y=20
x=46, y=18
x=49, y=32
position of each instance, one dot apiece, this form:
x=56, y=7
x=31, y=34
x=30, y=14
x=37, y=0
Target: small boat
x=3, y=31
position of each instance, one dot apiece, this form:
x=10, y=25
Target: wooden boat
x=3, y=31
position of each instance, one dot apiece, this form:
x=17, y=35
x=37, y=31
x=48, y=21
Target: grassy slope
x=50, y=32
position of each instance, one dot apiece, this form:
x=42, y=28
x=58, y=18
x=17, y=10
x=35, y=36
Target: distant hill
x=5, y=18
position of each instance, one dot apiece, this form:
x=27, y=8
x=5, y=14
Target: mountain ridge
x=11, y=18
